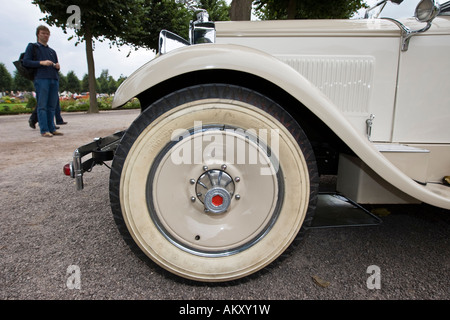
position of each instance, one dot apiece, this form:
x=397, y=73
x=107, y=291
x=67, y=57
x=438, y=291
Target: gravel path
x=47, y=226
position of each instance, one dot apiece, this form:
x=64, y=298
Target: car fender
x=265, y=66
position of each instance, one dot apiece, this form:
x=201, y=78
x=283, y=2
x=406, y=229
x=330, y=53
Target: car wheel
x=213, y=182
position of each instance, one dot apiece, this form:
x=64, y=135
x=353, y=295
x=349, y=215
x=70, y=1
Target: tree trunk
x=292, y=9
x=241, y=10
x=93, y=106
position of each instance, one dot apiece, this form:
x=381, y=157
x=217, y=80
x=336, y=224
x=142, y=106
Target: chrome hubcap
x=214, y=189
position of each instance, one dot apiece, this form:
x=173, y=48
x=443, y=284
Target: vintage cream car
x=219, y=174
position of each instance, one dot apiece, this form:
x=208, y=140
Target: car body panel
x=422, y=113
x=354, y=63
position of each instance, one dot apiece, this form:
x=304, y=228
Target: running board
x=334, y=210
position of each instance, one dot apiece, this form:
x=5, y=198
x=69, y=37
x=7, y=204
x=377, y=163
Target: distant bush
x=13, y=108
x=31, y=103
x=104, y=103
x=6, y=99
x=132, y=104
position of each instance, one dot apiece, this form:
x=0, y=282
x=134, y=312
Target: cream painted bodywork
x=359, y=66
x=422, y=113
x=342, y=70
x=354, y=62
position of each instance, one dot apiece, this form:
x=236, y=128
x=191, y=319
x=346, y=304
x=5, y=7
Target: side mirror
x=427, y=10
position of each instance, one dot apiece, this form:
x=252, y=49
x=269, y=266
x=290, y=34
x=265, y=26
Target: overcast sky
x=20, y=18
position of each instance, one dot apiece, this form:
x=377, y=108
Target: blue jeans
x=47, y=100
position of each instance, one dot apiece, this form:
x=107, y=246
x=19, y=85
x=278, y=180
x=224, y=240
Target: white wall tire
x=156, y=199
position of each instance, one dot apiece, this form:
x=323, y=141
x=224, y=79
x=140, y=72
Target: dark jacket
x=42, y=53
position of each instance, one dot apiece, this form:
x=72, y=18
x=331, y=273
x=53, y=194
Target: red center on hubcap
x=217, y=200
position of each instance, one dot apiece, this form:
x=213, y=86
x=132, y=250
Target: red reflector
x=217, y=200
x=67, y=169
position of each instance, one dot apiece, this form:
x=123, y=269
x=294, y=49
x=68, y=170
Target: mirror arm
x=407, y=33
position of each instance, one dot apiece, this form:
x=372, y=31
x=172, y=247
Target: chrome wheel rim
x=214, y=207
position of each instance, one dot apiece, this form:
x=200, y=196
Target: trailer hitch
x=101, y=150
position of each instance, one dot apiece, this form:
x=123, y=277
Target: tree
x=98, y=19
x=307, y=9
x=62, y=82
x=22, y=84
x=73, y=83
x=154, y=16
x=103, y=82
x=218, y=10
x=173, y=15
x=112, y=85
x=136, y=23
x=5, y=79
x=241, y=10
x=85, y=83
x=121, y=79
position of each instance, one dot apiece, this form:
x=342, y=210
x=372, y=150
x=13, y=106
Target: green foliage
x=136, y=23
x=32, y=102
x=105, y=81
x=104, y=103
x=100, y=19
x=307, y=9
x=132, y=104
x=218, y=10
x=5, y=99
x=6, y=80
x=73, y=83
x=22, y=84
x=154, y=16
x=10, y=105
x=62, y=82
x=70, y=82
x=112, y=20
x=85, y=83
x=13, y=108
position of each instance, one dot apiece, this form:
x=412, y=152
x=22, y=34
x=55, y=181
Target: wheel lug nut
x=205, y=168
x=193, y=199
x=237, y=197
x=224, y=167
x=237, y=179
x=192, y=181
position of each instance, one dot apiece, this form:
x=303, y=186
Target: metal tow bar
x=102, y=149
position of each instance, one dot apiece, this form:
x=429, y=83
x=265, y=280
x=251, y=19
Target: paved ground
x=47, y=227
